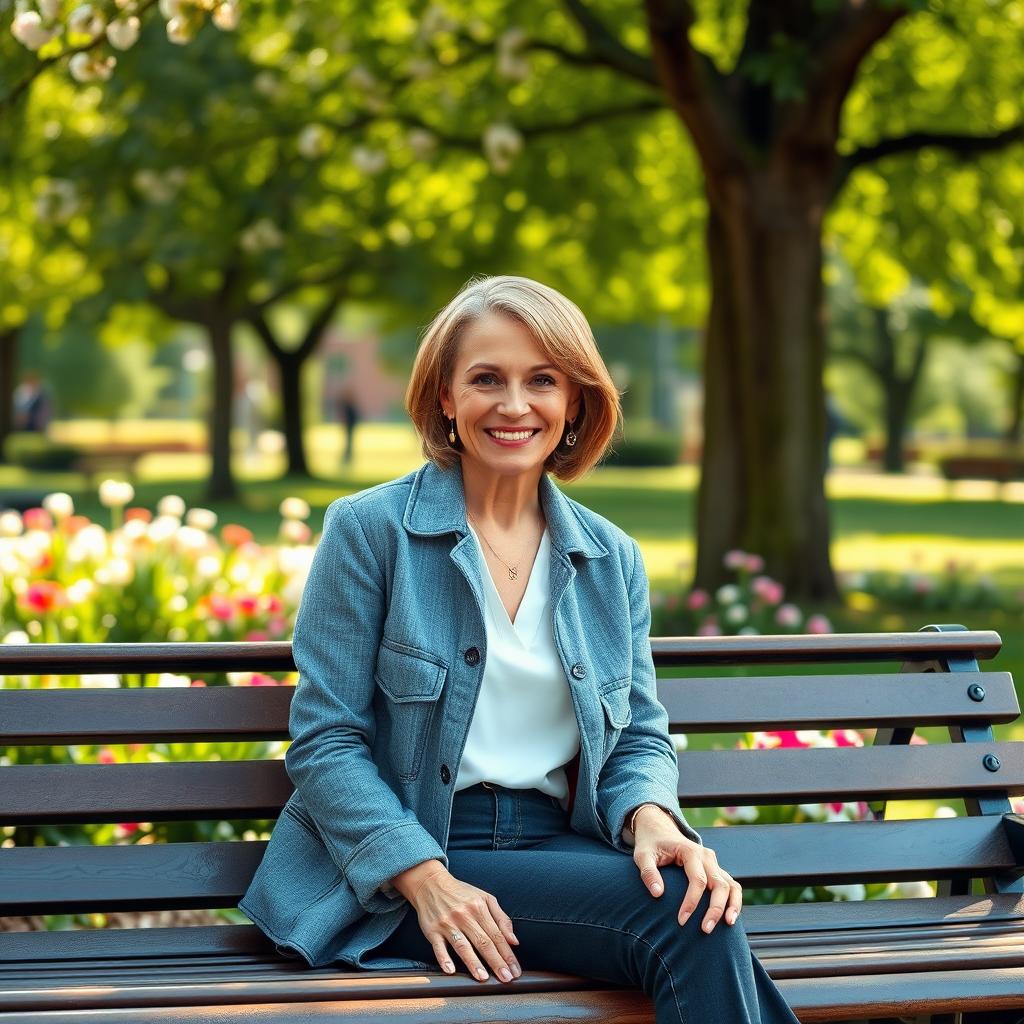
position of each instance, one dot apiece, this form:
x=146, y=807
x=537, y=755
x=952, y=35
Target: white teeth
x=511, y=435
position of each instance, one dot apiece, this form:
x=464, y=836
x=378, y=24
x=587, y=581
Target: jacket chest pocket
x=412, y=681
x=617, y=712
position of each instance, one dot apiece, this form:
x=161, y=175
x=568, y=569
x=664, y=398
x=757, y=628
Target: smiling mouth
x=511, y=435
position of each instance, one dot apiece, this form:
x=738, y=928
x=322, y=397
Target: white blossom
x=100, y=680
x=59, y=200
x=123, y=33
x=80, y=591
x=201, y=518
x=86, y=21
x=170, y=679
x=294, y=508
x=171, y=505
x=171, y=8
x=16, y=636
x=262, y=235
x=118, y=572
x=512, y=62
x=314, y=141
x=116, y=493
x=28, y=29
x=422, y=142
x=501, y=143
x=736, y=614
x=86, y=68
x=50, y=9
x=10, y=524
x=88, y=545
x=853, y=892
x=179, y=31
x=226, y=16
x=914, y=889
x=369, y=160
x=728, y=594
x=59, y=505
x=163, y=528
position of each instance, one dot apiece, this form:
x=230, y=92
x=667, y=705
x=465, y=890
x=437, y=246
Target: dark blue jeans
x=578, y=906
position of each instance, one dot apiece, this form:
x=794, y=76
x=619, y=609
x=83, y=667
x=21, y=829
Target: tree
x=762, y=90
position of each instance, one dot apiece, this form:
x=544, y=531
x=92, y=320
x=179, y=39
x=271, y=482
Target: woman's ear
x=575, y=405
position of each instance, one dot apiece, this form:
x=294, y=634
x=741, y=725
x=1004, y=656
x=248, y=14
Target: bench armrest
x=1014, y=827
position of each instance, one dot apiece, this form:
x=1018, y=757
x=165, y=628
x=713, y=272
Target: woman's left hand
x=659, y=842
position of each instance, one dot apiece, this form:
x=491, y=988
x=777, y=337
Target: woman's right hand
x=450, y=911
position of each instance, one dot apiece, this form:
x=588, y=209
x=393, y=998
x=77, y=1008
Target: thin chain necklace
x=513, y=570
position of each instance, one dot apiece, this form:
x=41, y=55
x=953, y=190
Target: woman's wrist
x=410, y=881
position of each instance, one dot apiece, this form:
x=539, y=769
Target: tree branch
x=691, y=82
x=604, y=48
x=958, y=144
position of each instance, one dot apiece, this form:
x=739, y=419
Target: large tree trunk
x=221, y=484
x=290, y=371
x=762, y=477
x=8, y=370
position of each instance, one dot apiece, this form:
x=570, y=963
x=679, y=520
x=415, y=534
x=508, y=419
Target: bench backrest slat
x=727, y=704
x=55, y=793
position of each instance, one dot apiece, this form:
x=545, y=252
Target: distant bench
x=955, y=953
x=1002, y=468
x=124, y=456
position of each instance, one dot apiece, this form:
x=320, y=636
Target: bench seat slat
x=50, y=880
x=708, y=778
x=748, y=703
x=830, y=921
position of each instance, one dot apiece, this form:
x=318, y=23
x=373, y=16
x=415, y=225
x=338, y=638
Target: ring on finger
x=457, y=936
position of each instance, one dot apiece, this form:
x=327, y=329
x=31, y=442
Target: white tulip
x=201, y=518
x=736, y=614
x=728, y=594
x=208, y=567
x=171, y=8
x=170, y=679
x=16, y=636
x=171, y=505
x=81, y=67
x=100, y=680
x=227, y=15
x=116, y=493
x=59, y=505
x=914, y=889
x=123, y=34
x=163, y=528
x=294, y=508
x=853, y=892
x=80, y=591
x=10, y=524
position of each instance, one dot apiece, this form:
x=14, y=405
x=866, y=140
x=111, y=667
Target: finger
x=491, y=945
x=735, y=901
x=462, y=946
x=694, y=891
x=441, y=953
x=716, y=907
x=503, y=920
x=647, y=862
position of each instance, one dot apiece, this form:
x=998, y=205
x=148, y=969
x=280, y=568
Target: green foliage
x=645, y=446
x=38, y=452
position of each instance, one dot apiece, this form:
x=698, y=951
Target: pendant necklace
x=513, y=570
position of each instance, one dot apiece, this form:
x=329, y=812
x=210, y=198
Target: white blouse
x=524, y=725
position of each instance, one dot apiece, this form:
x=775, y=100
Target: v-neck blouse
x=524, y=727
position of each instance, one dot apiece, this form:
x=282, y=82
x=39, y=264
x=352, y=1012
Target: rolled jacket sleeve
x=643, y=768
x=368, y=832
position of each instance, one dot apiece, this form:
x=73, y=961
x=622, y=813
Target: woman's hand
x=659, y=842
x=450, y=911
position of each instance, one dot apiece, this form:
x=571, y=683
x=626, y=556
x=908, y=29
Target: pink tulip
x=768, y=590
x=697, y=599
x=818, y=624
x=847, y=738
x=709, y=628
x=735, y=559
x=754, y=563
x=37, y=519
x=787, y=615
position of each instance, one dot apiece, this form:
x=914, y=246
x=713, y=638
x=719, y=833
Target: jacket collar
x=437, y=505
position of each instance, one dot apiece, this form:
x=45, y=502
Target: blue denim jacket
x=390, y=646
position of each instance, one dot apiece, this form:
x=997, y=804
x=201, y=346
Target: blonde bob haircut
x=561, y=330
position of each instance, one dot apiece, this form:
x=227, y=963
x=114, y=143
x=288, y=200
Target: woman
x=483, y=774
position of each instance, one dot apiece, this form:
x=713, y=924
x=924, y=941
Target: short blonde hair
x=561, y=330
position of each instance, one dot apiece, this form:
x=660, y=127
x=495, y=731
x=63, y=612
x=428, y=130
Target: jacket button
x=446, y=776
x=472, y=656
x=578, y=671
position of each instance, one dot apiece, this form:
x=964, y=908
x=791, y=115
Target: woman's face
x=509, y=401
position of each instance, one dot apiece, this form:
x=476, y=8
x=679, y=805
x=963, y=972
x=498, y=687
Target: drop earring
x=451, y=431
x=570, y=438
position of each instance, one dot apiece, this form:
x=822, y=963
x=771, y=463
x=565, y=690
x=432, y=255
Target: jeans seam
x=621, y=931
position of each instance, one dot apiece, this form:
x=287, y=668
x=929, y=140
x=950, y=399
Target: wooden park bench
x=124, y=456
x=958, y=952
